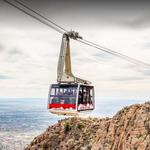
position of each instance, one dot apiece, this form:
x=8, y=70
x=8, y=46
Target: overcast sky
x=29, y=50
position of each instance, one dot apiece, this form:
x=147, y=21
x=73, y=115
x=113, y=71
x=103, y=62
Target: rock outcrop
x=129, y=129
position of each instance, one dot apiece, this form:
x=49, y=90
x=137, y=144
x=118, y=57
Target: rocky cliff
x=129, y=129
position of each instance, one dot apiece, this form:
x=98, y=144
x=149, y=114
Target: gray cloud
x=103, y=56
x=15, y=51
x=1, y=48
x=146, y=72
x=15, y=54
x=123, y=79
x=83, y=60
x=142, y=70
x=139, y=22
x=4, y=77
x=146, y=46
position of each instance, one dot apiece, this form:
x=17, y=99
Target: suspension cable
x=37, y=13
x=112, y=52
x=35, y=17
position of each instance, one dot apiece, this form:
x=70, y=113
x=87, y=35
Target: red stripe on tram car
x=62, y=105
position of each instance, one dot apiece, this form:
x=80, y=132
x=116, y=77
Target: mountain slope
x=129, y=129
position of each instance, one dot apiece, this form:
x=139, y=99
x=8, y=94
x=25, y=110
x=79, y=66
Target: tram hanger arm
x=64, y=71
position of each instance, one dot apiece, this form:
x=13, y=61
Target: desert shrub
x=80, y=126
x=45, y=146
x=67, y=127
